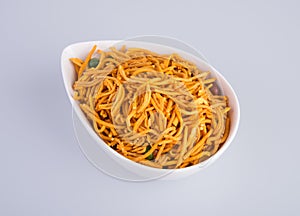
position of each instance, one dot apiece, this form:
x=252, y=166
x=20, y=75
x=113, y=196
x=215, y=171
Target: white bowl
x=141, y=172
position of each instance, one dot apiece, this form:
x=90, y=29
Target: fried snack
x=157, y=110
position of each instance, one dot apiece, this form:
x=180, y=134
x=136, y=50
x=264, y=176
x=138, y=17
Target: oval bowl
x=141, y=172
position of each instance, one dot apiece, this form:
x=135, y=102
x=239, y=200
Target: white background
x=254, y=44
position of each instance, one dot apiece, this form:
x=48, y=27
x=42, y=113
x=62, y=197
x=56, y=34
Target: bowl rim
x=107, y=149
